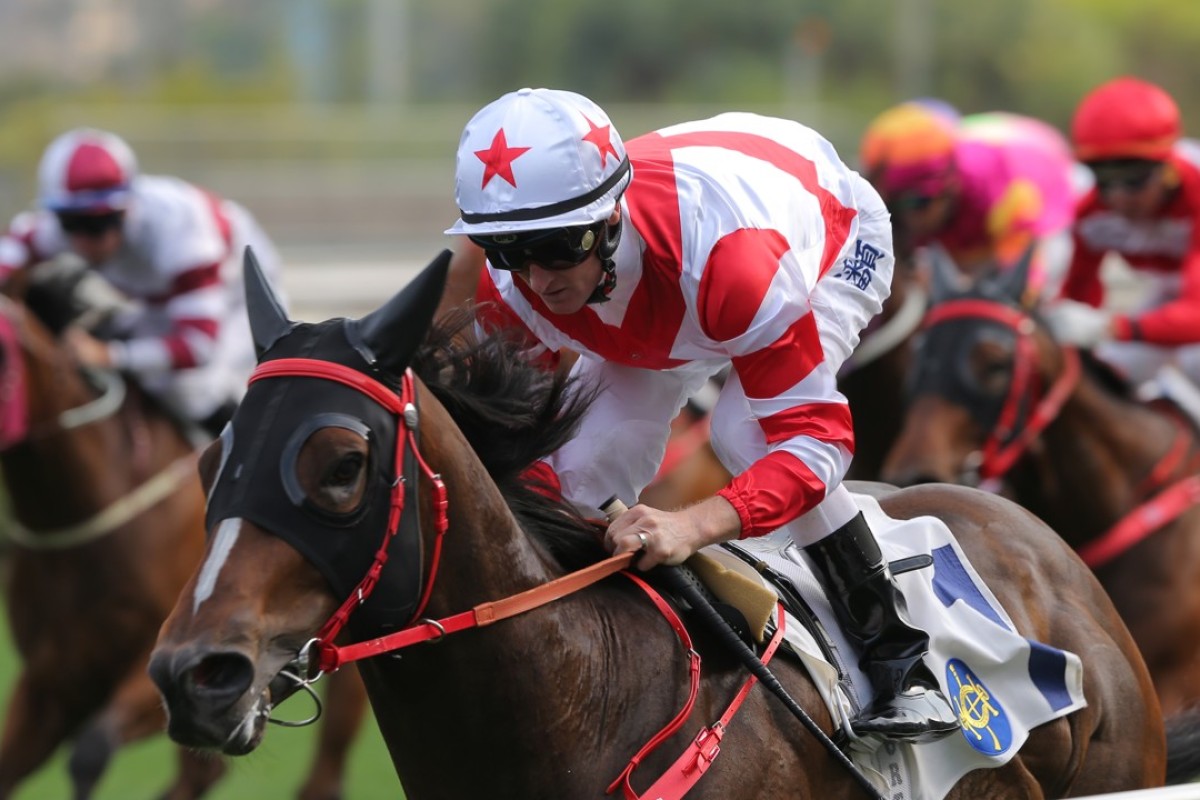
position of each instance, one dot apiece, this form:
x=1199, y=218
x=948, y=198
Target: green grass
x=274, y=771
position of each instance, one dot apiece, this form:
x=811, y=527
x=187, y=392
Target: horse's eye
x=326, y=464
x=344, y=471
x=994, y=377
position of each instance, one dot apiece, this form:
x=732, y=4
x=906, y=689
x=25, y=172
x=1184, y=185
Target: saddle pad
x=1001, y=684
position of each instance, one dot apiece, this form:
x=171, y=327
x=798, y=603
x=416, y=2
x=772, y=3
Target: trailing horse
x=107, y=522
x=351, y=494
x=996, y=400
x=106, y=525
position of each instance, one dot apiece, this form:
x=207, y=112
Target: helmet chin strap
x=607, y=247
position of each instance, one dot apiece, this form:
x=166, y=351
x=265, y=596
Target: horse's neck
x=551, y=680
x=58, y=475
x=1082, y=477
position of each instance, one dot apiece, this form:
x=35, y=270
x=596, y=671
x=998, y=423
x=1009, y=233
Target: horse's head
x=305, y=490
x=986, y=377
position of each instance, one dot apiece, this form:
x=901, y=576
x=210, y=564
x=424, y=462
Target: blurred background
x=336, y=121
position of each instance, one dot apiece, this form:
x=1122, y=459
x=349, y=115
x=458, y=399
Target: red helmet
x=1125, y=118
x=86, y=171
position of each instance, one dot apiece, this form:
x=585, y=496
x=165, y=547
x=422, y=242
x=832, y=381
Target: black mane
x=513, y=413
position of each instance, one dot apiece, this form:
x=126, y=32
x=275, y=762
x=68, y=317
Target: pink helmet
x=909, y=149
x=537, y=159
x=86, y=171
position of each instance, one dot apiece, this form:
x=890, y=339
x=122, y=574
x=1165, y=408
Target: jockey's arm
x=19, y=245
x=194, y=309
x=1083, y=282
x=797, y=429
x=462, y=281
x=1176, y=322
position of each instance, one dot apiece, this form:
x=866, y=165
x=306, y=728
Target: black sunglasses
x=90, y=225
x=558, y=249
x=1131, y=177
x=912, y=202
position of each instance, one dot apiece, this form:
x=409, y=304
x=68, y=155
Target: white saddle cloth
x=1000, y=683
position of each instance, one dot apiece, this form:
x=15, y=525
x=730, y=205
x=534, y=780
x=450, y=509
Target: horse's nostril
x=222, y=675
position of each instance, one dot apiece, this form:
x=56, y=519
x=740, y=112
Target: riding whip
x=677, y=580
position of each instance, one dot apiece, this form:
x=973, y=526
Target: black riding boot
x=908, y=704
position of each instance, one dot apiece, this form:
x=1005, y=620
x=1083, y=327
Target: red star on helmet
x=497, y=159
x=602, y=138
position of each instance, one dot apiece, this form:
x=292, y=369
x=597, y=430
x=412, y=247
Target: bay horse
x=995, y=399
x=106, y=525
x=107, y=522
x=351, y=493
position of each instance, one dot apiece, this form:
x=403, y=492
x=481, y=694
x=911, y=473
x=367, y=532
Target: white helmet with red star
x=86, y=171
x=537, y=159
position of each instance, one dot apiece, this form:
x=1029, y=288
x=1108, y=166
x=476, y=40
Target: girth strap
x=681, y=776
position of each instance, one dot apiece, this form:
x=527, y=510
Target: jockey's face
x=1137, y=190
x=564, y=291
x=919, y=218
x=95, y=238
x=97, y=249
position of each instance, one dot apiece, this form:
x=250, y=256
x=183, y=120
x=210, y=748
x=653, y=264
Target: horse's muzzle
x=203, y=694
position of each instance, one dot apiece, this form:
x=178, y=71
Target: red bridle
x=1006, y=442
x=403, y=406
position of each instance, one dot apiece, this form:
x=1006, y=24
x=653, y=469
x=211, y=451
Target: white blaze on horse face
x=223, y=542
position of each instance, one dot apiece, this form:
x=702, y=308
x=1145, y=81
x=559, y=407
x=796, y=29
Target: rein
x=1009, y=440
x=112, y=395
x=15, y=426
x=112, y=516
x=331, y=657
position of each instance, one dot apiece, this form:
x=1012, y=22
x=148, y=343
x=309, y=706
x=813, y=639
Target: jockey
x=173, y=250
x=1145, y=208
x=985, y=186
x=737, y=241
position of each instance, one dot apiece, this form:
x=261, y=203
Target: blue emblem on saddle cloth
x=983, y=720
x=859, y=269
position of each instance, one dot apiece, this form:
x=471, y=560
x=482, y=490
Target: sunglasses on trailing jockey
x=1130, y=176
x=90, y=225
x=912, y=202
x=558, y=249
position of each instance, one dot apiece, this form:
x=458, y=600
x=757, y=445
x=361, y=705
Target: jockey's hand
x=669, y=537
x=87, y=350
x=1078, y=324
